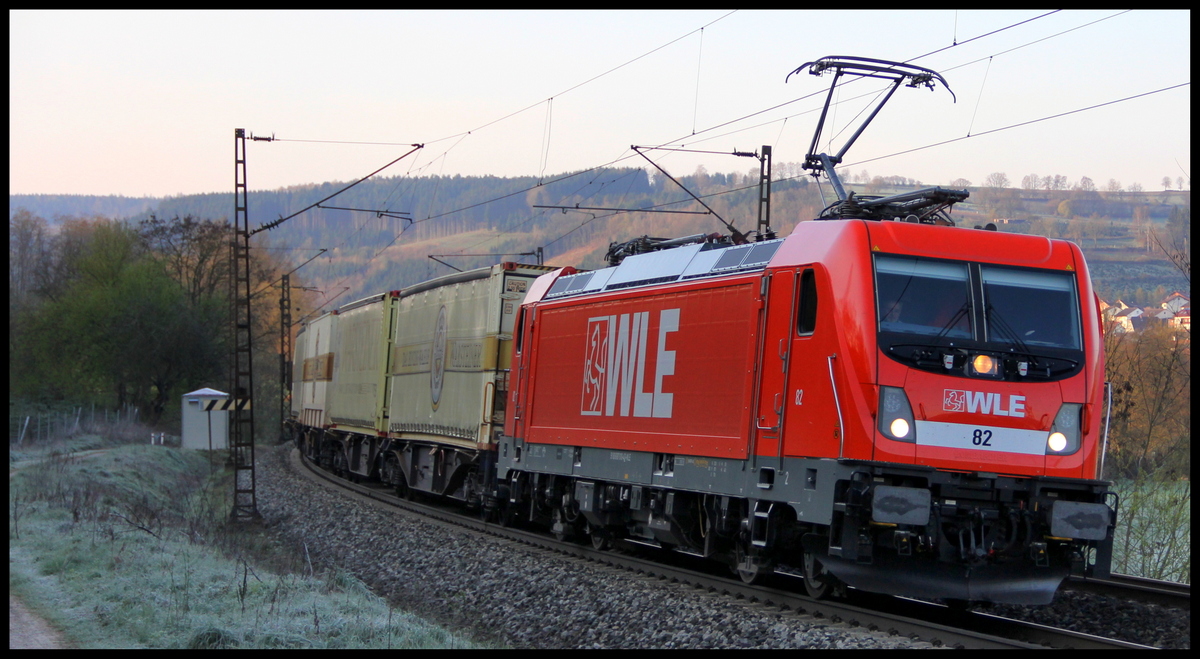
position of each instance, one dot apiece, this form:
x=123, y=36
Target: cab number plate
x=982, y=438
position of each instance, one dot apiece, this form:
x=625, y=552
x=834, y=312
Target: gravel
x=494, y=590
x=1088, y=613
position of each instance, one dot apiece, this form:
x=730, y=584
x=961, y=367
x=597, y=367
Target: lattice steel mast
x=241, y=369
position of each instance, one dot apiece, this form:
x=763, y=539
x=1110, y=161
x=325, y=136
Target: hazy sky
x=146, y=102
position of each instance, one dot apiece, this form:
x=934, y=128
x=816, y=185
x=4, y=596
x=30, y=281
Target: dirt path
x=26, y=631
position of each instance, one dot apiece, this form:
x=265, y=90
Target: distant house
x=1182, y=319
x=1158, y=315
x=1176, y=301
x=1109, y=311
x=1124, y=319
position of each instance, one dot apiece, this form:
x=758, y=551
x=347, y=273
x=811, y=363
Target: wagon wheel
x=394, y=475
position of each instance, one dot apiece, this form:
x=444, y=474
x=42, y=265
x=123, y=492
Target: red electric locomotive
x=881, y=400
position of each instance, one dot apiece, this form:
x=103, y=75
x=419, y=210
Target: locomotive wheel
x=818, y=583
x=600, y=537
x=748, y=571
x=507, y=515
x=563, y=526
x=560, y=527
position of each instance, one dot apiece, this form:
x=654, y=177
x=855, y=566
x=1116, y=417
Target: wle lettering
x=614, y=365
x=959, y=400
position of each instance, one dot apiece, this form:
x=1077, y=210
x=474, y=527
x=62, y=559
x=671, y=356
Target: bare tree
x=1176, y=245
x=28, y=238
x=996, y=180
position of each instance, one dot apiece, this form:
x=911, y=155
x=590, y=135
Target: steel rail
x=932, y=623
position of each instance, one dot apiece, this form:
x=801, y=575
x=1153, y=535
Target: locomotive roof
x=667, y=266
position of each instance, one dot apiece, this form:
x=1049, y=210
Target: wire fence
x=38, y=428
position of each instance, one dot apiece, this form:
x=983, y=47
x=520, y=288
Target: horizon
x=103, y=103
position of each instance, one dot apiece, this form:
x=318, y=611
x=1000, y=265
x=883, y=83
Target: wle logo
x=960, y=400
x=614, y=365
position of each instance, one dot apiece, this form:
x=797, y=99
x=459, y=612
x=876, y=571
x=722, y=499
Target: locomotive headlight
x=895, y=415
x=985, y=365
x=1065, y=433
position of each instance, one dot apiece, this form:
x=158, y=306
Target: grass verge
x=132, y=549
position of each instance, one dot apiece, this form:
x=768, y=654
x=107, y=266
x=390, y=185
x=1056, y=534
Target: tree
x=960, y=183
x=1166, y=183
x=996, y=180
x=140, y=324
x=28, y=241
x=1086, y=185
x=1176, y=244
x=1151, y=408
x=195, y=252
x=1031, y=182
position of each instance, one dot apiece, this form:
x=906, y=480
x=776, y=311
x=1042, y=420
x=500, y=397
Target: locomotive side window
x=806, y=320
x=1030, y=308
x=917, y=296
x=520, y=330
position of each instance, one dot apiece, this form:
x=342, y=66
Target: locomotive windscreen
x=923, y=297
x=1034, y=308
x=1023, y=308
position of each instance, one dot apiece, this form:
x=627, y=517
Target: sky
x=145, y=103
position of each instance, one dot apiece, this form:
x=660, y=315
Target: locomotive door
x=518, y=405
x=775, y=361
x=812, y=429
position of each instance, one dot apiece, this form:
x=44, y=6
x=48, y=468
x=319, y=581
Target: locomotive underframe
x=879, y=526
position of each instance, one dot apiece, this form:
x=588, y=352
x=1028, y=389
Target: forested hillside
x=115, y=277
x=379, y=234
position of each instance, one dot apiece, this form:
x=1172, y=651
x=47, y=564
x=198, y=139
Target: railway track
x=914, y=619
x=1163, y=593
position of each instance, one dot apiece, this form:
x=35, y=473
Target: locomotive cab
x=974, y=430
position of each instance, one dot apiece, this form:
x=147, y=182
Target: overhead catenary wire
x=271, y=225
x=462, y=135
x=1023, y=123
x=432, y=215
